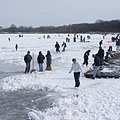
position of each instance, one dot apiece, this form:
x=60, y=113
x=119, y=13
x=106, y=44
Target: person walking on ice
x=16, y=47
x=77, y=69
x=27, y=59
x=64, y=46
x=9, y=39
x=57, y=46
x=86, y=54
x=40, y=60
x=100, y=43
x=74, y=39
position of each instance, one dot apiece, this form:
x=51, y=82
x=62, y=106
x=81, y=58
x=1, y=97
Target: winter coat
x=64, y=45
x=86, y=55
x=27, y=58
x=101, y=53
x=100, y=43
x=76, y=67
x=57, y=46
x=40, y=59
x=16, y=46
x=96, y=61
x=48, y=59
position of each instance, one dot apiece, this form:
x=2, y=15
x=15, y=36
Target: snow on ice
x=97, y=99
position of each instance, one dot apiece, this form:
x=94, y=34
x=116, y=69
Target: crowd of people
x=99, y=58
x=76, y=37
x=40, y=60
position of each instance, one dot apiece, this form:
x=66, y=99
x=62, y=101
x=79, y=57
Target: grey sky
x=56, y=12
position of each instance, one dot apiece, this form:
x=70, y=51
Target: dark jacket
x=27, y=58
x=86, y=54
x=64, y=44
x=100, y=43
x=96, y=61
x=40, y=58
x=118, y=43
x=101, y=53
x=57, y=46
x=48, y=58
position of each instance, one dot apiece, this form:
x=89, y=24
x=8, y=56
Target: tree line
x=98, y=26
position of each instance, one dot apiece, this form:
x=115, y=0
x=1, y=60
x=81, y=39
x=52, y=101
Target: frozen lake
x=7, y=69
x=16, y=105
x=95, y=99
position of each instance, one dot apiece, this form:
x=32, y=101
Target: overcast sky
x=56, y=12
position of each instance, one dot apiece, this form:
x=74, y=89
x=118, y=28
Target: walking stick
x=33, y=70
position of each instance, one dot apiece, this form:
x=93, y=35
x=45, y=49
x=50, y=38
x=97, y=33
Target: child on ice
x=76, y=67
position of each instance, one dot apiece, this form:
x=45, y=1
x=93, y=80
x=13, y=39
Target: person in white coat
x=77, y=69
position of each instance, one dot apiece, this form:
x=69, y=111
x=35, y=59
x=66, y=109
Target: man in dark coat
x=64, y=46
x=27, y=59
x=9, y=39
x=86, y=54
x=100, y=43
x=81, y=39
x=48, y=61
x=97, y=66
x=74, y=39
x=118, y=44
x=40, y=60
x=101, y=55
x=57, y=46
x=16, y=47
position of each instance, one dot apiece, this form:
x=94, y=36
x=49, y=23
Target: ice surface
x=97, y=99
